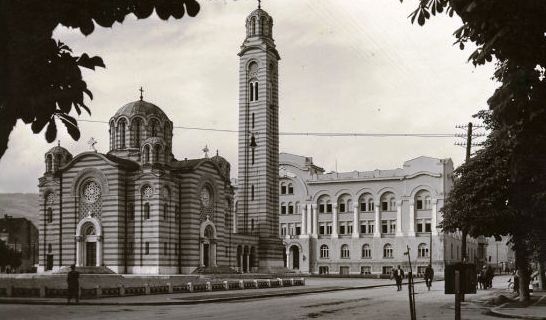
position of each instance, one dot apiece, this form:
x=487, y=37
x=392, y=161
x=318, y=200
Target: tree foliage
x=502, y=190
x=40, y=78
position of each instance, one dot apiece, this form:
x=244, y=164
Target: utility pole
x=464, y=231
x=411, y=291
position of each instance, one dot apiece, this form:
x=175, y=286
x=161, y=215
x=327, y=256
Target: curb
x=199, y=301
x=496, y=311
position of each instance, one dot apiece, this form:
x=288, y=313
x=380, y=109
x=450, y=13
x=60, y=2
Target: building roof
x=141, y=108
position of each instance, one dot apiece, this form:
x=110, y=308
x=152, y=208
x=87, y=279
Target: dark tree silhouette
x=512, y=33
x=40, y=78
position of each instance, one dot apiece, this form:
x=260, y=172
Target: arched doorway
x=252, y=260
x=295, y=257
x=240, y=259
x=88, y=243
x=208, y=245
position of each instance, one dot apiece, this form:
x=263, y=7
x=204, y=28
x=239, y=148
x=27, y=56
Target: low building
x=364, y=222
x=21, y=235
x=500, y=254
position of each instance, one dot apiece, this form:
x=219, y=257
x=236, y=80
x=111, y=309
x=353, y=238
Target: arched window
x=422, y=200
x=165, y=211
x=121, y=133
x=137, y=131
x=324, y=252
x=256, y=91
x=283, y=188
x=387, y=251
x=262, y=25
x=366, y=251
x=422, y=250
x=253, y=26
x=49, y=215
x=365, y=203
x=146, y=211
x=290, y=208
x=253, y=118
x=253, y=87
x=345, y=253
x=388, y=202
x=283, y=208
x=290, y=188
x=154, y=128
x=146, y=154
x=252, y=192
x=112, y=135
x=131, y=212
x=157, y=153
x=49, y=162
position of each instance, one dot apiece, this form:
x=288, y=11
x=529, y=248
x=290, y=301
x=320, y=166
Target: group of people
x=398, y=275
x=485, y=277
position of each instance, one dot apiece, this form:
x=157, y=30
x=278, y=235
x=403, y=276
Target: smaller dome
x=58, y=150
x=258, y=13
x=141, y=108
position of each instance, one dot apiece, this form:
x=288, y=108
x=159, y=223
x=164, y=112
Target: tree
x=40, y=78
x=9, y=257
x=512, y=33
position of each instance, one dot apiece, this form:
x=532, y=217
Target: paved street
x=378, y=303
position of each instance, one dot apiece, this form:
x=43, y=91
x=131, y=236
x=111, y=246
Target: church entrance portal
x=208, y=247
x=88, y=243
x=90, y=254
x=206, y=254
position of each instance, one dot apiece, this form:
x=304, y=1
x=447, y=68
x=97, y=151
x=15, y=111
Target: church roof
x=125, y=163
x=141, y=108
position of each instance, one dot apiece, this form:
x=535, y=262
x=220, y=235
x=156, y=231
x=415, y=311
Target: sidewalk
x=536, y=309
x=312, y=286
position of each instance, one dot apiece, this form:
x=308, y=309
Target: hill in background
x=25, y=205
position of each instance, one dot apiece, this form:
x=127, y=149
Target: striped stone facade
x=257, y=192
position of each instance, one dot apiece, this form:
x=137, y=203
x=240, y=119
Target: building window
x=283, y=230
x=321, y=208
x=328, y=207
x=146, y=151
x=290, y=189
x=345, y=253
x=341, y=207
x=121, y=126
x=146, y=211
x=165, y=211
x=131, y=212
x=298, y=229
x=342, y=229
x=324, y=252
x=49, y=215
x=324, y=270
x=367, y=226
x=322, y=228
x=422, y=250
x=283, y=208
x=283, y=188
x=388, y=226
x=387, y=251
x=290, y=208
x=253, y=155
x=366, y=251
x=253, y=118
x=388, y=202
x=365, y=270
x=252, y=192
x=424, y=225
x=49, y=248
x=147, y=248
x=328, y=228
x=253, y=26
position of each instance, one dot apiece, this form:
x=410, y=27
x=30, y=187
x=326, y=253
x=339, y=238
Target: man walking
x=73, y=280
x=398, y=275
x=429, y=276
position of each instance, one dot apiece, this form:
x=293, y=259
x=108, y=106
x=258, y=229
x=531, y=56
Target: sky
x=346, y=66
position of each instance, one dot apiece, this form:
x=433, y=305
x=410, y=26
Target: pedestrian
x=489, y=274
x=73, y=280
x=398, y=275
x=429, y=276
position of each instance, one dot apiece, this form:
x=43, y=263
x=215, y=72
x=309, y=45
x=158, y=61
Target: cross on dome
x=259, y=4
x=141, y=92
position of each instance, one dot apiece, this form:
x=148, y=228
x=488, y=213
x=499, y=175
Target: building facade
x=363, y=222
x=138, y=209
x=21, y=235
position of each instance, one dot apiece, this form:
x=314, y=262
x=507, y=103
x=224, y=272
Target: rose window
x=148, y=192
x=91, y=192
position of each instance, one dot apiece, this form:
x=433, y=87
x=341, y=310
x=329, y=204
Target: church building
x=139, y=209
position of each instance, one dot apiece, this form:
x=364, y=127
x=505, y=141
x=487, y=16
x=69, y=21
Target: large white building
x=362, y=222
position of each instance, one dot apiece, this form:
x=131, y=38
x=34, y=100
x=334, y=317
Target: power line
x=319, y=134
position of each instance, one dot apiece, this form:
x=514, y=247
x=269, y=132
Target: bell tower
x=258, y=186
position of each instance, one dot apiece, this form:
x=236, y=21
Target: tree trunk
x=522, y=265
x=541, y=276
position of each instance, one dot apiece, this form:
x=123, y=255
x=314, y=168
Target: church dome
x=56, y=157
x=58, y=150
x=259, y=24
x=140, y=108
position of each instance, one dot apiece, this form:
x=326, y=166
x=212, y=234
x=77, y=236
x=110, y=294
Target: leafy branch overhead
x=40, y=78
